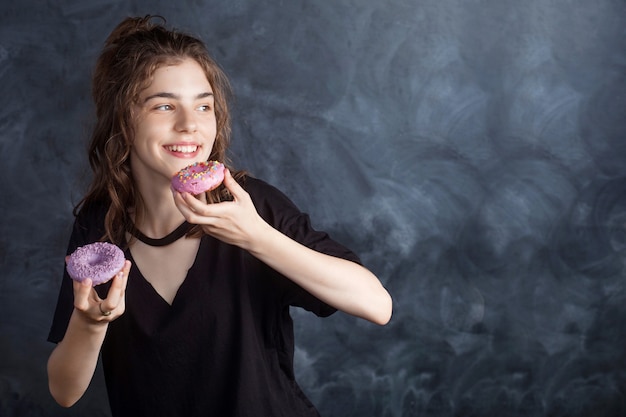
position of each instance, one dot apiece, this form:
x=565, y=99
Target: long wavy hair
x=134, y=50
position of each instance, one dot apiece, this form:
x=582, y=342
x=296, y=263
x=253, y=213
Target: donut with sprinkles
x=199, y=177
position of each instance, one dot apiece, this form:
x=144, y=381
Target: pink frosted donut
x=199, y=177
x=99, y=261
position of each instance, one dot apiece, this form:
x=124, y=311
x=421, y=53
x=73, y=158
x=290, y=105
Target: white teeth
x=182, y=148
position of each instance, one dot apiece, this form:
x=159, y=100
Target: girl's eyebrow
x=176, y=96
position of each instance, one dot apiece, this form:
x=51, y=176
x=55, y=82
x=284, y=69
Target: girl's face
x=174, y=123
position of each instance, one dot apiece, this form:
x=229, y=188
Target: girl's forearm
x=73, y=362
x=343, y=284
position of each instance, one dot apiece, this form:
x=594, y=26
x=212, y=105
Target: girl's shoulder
x=268, y=199
x=258, y=187
x=90, y=220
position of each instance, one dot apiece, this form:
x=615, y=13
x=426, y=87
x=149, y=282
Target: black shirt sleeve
x=280, y=212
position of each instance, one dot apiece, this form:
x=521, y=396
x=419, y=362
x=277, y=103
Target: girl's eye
x=164, y=107
x=204, y=107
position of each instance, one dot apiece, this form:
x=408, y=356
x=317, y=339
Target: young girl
x=200, y=324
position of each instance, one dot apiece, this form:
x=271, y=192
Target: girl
x=200, y=325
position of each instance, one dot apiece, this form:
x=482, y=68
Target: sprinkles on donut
x=99, y=261
x=199, y=177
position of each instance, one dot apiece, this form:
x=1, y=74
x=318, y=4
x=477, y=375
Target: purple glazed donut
x=99, y=261
x=199, y=177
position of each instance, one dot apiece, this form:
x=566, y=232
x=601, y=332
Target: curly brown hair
x=134, y=50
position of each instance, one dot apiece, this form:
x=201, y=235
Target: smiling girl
x=197, y=321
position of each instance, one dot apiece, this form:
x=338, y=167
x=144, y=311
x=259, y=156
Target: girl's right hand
x=96, y=309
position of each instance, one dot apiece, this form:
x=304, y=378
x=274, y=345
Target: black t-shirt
x=224, y=347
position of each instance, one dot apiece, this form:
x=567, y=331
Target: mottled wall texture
x=473, y=152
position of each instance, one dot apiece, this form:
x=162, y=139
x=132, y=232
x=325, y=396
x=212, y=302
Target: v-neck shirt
x=225, y=345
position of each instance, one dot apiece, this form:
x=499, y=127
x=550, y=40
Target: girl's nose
x=186, y=121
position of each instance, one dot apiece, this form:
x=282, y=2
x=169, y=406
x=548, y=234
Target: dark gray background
x=472, y=152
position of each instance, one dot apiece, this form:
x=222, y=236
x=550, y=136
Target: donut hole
x=95, y=259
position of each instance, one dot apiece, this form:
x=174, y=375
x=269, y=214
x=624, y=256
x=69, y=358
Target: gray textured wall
x=471, y=151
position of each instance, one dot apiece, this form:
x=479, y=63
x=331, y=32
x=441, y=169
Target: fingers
x=233, y=186
x=196, y=211
x=235, y=222
x=116, y=295
x=82, y=294
x=87, y=301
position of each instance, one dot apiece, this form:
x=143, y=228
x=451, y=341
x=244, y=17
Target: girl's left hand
x=235, y=222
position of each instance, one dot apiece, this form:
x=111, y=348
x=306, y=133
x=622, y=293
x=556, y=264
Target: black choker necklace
x=164, y=241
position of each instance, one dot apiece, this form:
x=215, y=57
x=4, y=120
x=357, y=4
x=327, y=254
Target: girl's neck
x=157, y=214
